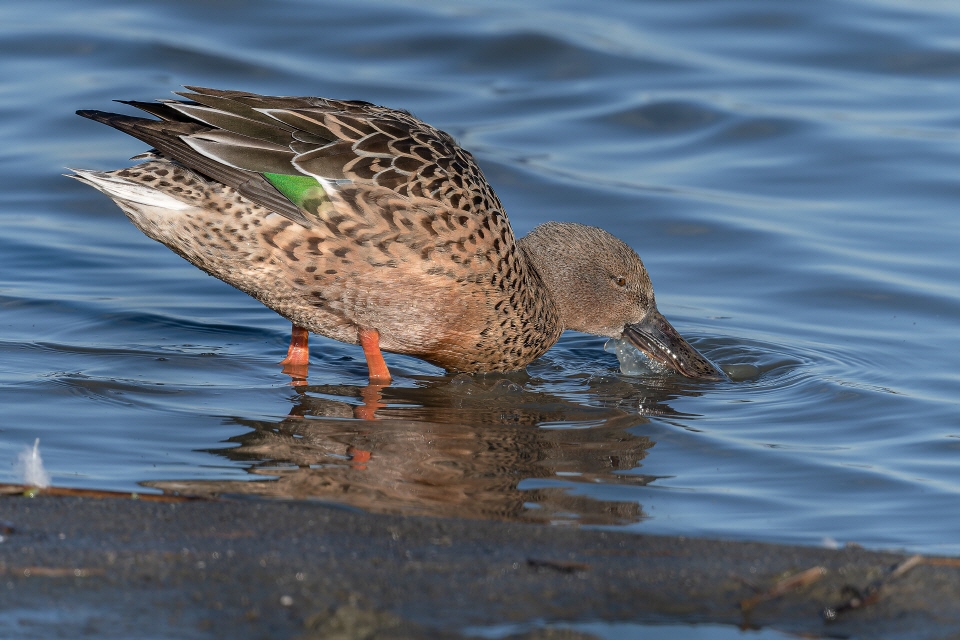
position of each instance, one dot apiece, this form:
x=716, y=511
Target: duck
x=364, y=224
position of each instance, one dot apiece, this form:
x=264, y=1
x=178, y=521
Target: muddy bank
x=112, y=568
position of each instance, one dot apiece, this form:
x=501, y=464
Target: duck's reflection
x=467, y=447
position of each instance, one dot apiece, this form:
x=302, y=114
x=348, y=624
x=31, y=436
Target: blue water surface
x=789, y=172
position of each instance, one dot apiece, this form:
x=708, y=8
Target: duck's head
x=601, y=287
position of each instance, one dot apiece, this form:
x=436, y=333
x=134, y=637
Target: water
x=789, y=173
x=619, y=631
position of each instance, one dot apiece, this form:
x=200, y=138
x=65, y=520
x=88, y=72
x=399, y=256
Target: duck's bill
x=660, y=341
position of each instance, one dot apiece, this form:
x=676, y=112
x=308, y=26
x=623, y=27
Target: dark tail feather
x=165, y=137
x=159, y=109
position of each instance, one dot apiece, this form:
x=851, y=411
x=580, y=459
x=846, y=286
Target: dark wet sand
x=123, y=568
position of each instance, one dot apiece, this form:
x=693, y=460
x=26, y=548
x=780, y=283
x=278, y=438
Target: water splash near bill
x=633, y=362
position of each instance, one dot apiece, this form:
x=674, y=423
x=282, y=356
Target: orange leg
x=370, y=341
x=298, y=355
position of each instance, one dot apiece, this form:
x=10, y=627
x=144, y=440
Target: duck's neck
x=547, y=252
x=537, y=303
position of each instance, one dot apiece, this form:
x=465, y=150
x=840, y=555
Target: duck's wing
x=168, y=135
x=306, y=157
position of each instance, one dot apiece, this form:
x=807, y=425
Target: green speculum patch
x=303, y=191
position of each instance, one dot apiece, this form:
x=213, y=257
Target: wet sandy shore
x=126, y=568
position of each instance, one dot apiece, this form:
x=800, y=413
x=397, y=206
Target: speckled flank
x=400, y=233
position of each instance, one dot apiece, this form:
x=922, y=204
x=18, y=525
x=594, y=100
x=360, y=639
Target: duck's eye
x=620, y=280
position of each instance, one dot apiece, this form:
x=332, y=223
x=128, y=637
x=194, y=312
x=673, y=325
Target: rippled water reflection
x=787, y=171
x=459, y=448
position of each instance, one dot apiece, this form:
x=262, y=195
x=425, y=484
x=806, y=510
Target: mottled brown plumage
x=346, y=217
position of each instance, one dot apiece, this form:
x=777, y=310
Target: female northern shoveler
x=366, y=225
